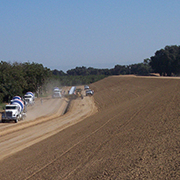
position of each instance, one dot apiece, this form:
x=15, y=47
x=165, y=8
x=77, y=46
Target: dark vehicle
x=89, y=92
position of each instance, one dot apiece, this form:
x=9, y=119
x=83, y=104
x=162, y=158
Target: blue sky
x=63, y=34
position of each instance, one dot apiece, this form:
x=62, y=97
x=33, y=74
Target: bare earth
x=135, y=134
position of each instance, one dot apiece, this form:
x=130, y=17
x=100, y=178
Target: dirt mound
x=134, y=135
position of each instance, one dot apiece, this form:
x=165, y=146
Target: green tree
x=18, y=78
x=166, y=61
x=35, y=75
x=12, y=80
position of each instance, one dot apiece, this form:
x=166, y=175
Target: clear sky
x=63, y=34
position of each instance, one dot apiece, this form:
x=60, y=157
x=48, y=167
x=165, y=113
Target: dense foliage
x=18, y=78
x=83, y=75
x=166, y=61
x=139, y=69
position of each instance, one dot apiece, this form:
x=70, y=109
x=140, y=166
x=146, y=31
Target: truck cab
x=56, y=93
x=14, y=111
x=11, y=113
x=29, y=98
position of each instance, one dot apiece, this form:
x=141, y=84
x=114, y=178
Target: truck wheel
x=23, y=117
x=17, y=118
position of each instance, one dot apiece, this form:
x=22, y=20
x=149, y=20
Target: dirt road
x=134, y=135
x=44, y=119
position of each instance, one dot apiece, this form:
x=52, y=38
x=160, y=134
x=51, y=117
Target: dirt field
x=135, y=134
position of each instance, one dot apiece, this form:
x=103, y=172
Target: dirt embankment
x=134, y=135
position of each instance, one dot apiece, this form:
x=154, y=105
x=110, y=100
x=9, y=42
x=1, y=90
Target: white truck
x=29, y=98
x=56, y=93
x=14, y=111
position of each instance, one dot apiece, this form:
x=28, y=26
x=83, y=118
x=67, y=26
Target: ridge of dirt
x=133, y=135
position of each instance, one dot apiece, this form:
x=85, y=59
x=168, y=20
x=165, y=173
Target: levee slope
x=134, y=135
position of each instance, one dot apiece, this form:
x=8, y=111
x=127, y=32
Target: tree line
x=83, y=75
x=166, y=61
x=18, y=78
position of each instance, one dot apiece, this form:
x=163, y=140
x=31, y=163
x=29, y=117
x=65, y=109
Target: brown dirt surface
x=135, y=134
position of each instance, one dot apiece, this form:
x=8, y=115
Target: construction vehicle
x=14, y=111
x=71, y=93
x=79, y=93
x=74, y=93
x=29, y=98
x=56, y=93
x=89, y=92
x=16, y=97
x=72, y=90
x=86, y=87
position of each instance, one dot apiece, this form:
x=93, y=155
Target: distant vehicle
x=86, y=87
x=89, y=92
x=56, y=93
x=29, y=98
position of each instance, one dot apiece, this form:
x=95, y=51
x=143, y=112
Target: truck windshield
x=10, y=107
x=27, y=96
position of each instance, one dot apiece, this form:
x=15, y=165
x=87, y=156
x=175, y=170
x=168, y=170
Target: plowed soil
x=135, y=134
